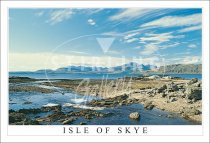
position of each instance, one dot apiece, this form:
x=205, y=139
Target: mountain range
x=131, y=67
x=181, y=69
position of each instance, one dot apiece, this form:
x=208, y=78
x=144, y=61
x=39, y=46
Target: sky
x=53, y=38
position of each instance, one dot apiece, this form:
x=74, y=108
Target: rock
x=191, y=111
x=181, y=94
x=162, y=88
x=163, y=94
x=16, y=117
x=134, y=115
x=30, y=111
x=55, y=108
x=88, y=116
x=142, y=88
x=12, y=103
x=27, y=102
x=148, y=105
x=194, y=100
x=193, y=93
x=169, y=116
x=172, y=99
x=83, y=123
x=172, y=87
x=197, y=84
x=192, y=81
x=108, y=102
x=166, y=77
x=122, y=97
x=153, y=77
x=189, y=101
x=171, y=94
x=68, y=121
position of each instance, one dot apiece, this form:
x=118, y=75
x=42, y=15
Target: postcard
x=104, y=71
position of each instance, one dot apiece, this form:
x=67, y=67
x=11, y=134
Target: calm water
x=91, y=76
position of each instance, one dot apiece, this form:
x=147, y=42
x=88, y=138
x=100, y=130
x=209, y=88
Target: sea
x=92, y=75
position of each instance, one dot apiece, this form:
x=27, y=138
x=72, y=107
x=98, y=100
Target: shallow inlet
x=120, y=114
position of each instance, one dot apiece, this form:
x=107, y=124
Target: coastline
x=148, y=91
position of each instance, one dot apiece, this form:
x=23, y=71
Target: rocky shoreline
x=176, y=95
x=21, y=117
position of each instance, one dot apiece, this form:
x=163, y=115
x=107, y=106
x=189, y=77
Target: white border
x=173, y=133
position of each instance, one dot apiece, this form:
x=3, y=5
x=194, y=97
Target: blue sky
x=149, y=36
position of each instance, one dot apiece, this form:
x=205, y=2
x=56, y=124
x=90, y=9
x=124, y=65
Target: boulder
x=148, y=105
x=167, y=77
x=122, y=97
x=172, y=87
x=134, y=115
x=163, y=94
x=68, y=121
x=169, y=116
x=192, y=81
x=197, y=84
x=164, y=86
x=154, y=77
x=172, y=99
x=191, y=111
x=16, y=117
x=193, y=93
x=83, y=123
x=27, y=102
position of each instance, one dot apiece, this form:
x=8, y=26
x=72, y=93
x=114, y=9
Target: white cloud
x=130, y=13
x=151, y=60
x=159, y=38
x=187, y=60
x=78, y=52
x=131, y=40
x=91, y=22
x=183, y=53
x=27, y=61
x=154, y=42
x=39, y=13
x=149, y=49
x=170, y=45
x=189, y=29
x=130, y=35
x=36, y=61
x=137, y=47
x=113, y=33
x=172, y=21
x=58, y=16
x=90, y=11
x=192, y=45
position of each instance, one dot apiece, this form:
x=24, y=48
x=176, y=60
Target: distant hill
x=181, y=69
x=131, y=67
